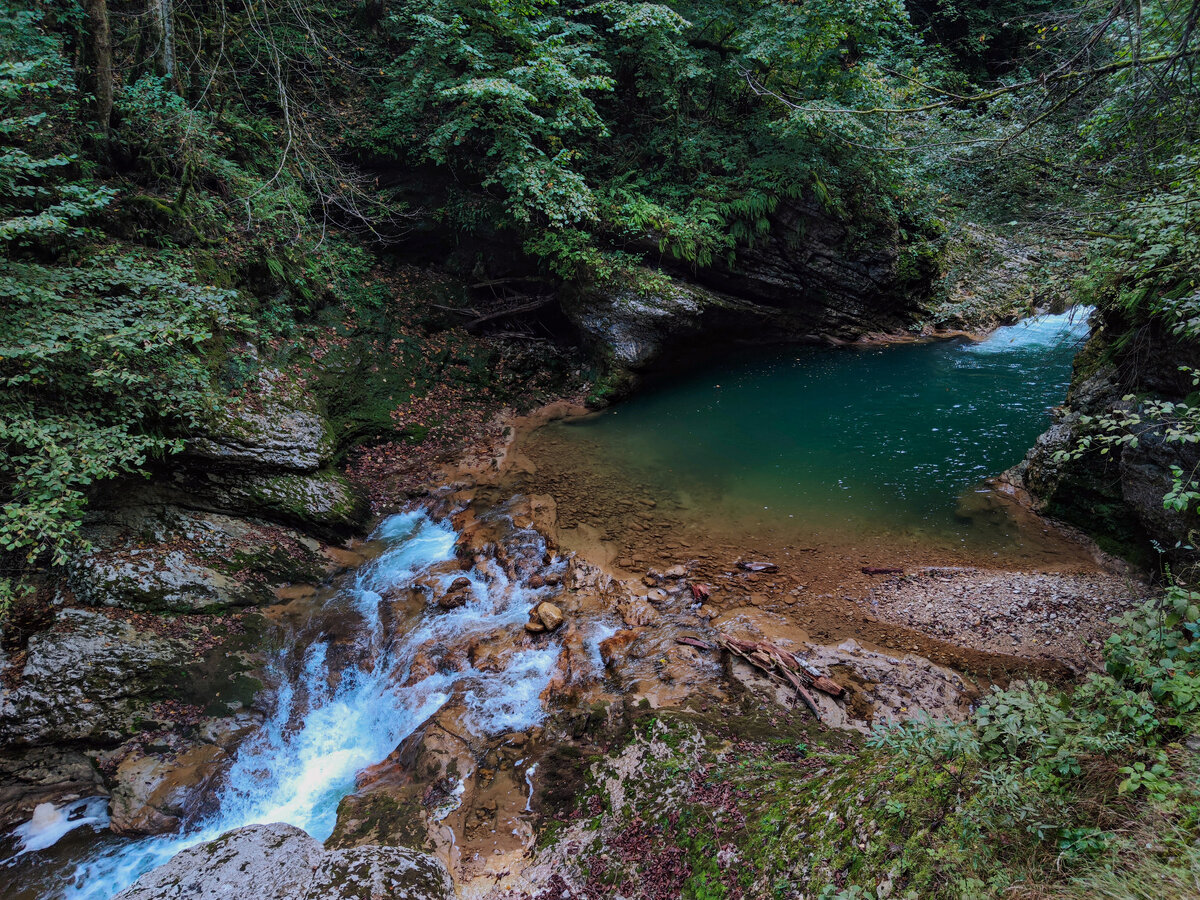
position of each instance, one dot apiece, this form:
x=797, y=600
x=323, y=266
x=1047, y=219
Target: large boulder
x=280, y=862
x=1116, y=497
x=89, y=678
x=275, y=425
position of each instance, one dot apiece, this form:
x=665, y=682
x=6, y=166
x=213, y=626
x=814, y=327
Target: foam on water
x=305, y=757
x=50, y=822
x=1037, y=332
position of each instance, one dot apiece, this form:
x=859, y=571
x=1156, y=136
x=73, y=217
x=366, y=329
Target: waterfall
x=305, y=757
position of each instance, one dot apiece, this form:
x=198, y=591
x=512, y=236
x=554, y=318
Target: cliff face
x=810, y=278
x=1117, y=496
x=821, y=276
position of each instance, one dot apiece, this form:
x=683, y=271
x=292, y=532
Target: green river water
x=890, y=438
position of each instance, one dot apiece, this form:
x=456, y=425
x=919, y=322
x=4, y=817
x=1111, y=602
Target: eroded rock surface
x=280, y=862
x=276, y=425
x=89, y=678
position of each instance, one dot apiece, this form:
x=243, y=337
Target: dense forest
x=450, y=193
x=181, y=176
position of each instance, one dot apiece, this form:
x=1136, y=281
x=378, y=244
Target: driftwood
x=530, y=306
x=766, y=567
x=777, y=664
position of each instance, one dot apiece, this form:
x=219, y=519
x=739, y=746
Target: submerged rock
x=280, y=862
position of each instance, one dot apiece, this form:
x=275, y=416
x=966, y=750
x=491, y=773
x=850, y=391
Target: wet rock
x=549, y=615
x=452, y=601
x=151, y=794
x=88, y=678
x=462, y=583
x=1146, y=477
x=571, y=662
x=757, y=567
x=36, y=775
x=636, y=612
x=280, y=862
x=676, y=572
x=613, y=648
x=322, y=503
x=534, y=626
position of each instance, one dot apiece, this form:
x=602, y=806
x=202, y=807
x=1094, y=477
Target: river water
x=807, y=439
x=335, y=711
x=879, y=439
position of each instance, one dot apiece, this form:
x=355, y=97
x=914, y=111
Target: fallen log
x=694, y=642
x=535, y=303
x=781, y=666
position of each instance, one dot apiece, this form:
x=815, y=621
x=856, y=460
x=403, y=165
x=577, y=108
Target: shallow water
x=868, y=439
x=334, y=713
x=859, y=441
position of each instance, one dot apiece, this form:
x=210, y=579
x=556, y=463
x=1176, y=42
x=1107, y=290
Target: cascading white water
x=1046, y=330
x=49, y=822
x=305, y=757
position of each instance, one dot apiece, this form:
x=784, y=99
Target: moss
x=614, y=383
x=273, y=562
x=378, y=817
x=325, y=499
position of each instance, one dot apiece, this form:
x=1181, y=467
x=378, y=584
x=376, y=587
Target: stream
x=799, y=442
x=340, y=705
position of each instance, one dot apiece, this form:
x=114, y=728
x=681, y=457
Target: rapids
x=335, y=710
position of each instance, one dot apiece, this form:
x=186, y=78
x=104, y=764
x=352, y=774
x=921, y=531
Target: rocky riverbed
x=143, y=680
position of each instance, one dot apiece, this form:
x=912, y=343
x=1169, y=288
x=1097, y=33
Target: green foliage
x=506, y=89
x=103, y=347
x=1027, y=760
x=612, y=131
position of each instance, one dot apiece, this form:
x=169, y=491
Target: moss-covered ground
x=754, y=803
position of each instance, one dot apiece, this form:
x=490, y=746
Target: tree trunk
x=166, y=15
x=98, y=63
